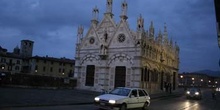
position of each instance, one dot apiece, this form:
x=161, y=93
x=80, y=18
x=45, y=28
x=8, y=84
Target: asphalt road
x=165, y=103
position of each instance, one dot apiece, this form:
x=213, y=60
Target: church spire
x=160, y=37
x=140, y=23
x=109, y=8
x=80, y=34
x=124, y=7
x=165, y=34
x=95, y=15
x=151, y=30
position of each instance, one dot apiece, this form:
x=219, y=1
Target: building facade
x=112, y=55
x=10, y=62
x=49, y=66
x=22, y=61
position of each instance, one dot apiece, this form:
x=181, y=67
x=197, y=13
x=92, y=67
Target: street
x=165, y=103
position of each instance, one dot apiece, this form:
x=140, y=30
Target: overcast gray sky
x=52, y=25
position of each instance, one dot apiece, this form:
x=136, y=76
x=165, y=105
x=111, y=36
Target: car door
x=142, y=98
x=133, y=99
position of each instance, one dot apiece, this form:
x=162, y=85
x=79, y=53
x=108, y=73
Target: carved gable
x=106, y=29
x=122, y=36
x=90, y=40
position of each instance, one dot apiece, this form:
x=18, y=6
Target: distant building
x=198, y=80
x=49, y=66
x=26, y=48
x=22, y=61
x=112, y=55
x=10, y=62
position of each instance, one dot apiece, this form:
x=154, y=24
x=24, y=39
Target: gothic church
x=112, y=55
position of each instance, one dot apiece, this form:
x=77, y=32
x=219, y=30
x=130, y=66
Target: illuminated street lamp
x=201, y=80
x=181, y=76
x=209, y=81
x=216, y=82
x=193, y=80
x=3, y=67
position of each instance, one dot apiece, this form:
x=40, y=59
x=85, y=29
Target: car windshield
x=120, y=91
x=193, y=90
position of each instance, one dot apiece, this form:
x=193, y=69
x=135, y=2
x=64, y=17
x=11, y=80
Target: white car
x=123, y=98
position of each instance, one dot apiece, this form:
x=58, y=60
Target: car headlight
x=112, y=101
x=197, y=93
x=97, y=99
x=187, y=92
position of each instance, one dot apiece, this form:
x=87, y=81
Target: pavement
x=29, y=97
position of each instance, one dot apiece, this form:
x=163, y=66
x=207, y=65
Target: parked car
x=194, y=93
x=123, y=98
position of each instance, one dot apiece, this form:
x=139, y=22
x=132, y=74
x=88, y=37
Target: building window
x=51, y=62
x=9, y=68
x=37, y=60
x=36, y=68
x=18, y=62
x=51, y=69
x=63, y=70
x=142, y=74
x=90, y=71
x=154, y=76
x=59, y=70
x=121, y=38
x=44, y=69
x=146, y=74
x=45, y=61
x=10, y=61
x=17, y=68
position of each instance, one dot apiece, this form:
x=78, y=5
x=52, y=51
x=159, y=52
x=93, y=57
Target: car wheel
x=145, y=107
x=123, y=107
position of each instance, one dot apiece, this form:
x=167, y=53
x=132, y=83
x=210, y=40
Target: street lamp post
x=193, y=80
x=201, y=84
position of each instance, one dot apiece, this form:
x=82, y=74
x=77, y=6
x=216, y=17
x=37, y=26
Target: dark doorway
x=90, y=71
x=120, y=75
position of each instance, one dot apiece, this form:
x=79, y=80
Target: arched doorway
x=120, y=76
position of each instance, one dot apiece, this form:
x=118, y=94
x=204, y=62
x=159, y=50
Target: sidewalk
x=25, y=97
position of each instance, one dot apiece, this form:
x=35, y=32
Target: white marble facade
x=119, y=56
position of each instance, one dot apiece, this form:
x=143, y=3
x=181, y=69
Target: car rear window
x=141, y=93
x=145, y=92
